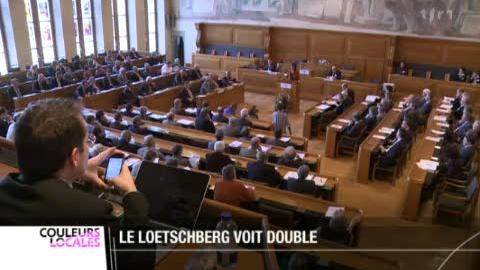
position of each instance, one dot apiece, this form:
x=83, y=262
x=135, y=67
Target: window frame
x=155, y=5
x=37, y=32
x=81, y=36
x=115, y=24
x=4, y=41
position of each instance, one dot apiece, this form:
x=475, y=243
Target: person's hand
x=91, y=172
x=124, y=182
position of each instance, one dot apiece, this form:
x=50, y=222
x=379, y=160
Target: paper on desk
x=260, y=135
x=376, y=136
x=309, y=177
x=364, y=103
x=442, y=110
x=446, y=106
x=397, y=110
x=191, y=110
x=343, y=120
x=201, y=96
x=440, y=118
x=185, y=122
x=427, y=165
x=400, y=104
x=336, y=126
x=132, y=161
x=434, y=158
x=285, y=139
x=264, y=148
x=441, y=124
x=124, y=123
x=448, y=99
x=371, y=98
x=433, y=139
x=438, y=132
x=323, y=107
x=235, y=144
x=291, y=174
x=156, y=129
x=304, y=72
x=384, y=131
x=156, y=116
x=437, y=147
x=331, y=102
x=319, y=181
x=332, y=209
x=301, y=155
x=286, y=85
x=194, y=160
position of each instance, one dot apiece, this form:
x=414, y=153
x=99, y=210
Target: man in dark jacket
x=217, y=160
x=263, y=172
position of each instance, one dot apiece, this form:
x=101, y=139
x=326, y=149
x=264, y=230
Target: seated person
x=227, y=80
x=166, y=68
x=83, y=89
x=203, y=122
x=425, y=104
x=208, y=86
x=402, y=69
x=355, y=127
x=144, y=113
x=230, y=110
x=262, y=172
x=195, y=73
x=456, y=102
x=176, y=159
x=371, y=118
x=289, y=158
x=150, y=156
x=177, y=107
x=217, y=160
x=460, y=76
x=148, y=87
x=90, y=119
x=243, y=120
x=127, y=95
x=177, y=64
x=148, y=71
x=277, y=139
x=100, y=135
x=136, y=126
x=124, y=142
x=232, y=191
x=117, y=121
x=122, y=78
x=334, y=74
x=233, y=128
x=380, y=112
x=133, y=54
x=134, y=75
x=186, y=96
x=58, y=80
x=453, y=167
x=170, y=119
x=5, y=122
x=108, y=82
x=475, y=78
x=180, y=78
x=220, y=117
x=102, y=118
x=148, y=144
x=218, y=138
x=251, y=152
x=41, y=84
x=129, y=110
x=387, y=101
x=14, y=89
x=343, y=101
x=32, y=73
x=302, y=185
x=271, y=66
x=464, y=125
x=348, y=91
x=467, y=150
x=389, y=156
x=337, y=228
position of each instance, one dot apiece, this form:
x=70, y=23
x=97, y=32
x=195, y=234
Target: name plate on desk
x=304, y=72
x=286, y=85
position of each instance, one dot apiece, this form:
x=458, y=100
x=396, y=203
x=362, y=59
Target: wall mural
x=452, y=18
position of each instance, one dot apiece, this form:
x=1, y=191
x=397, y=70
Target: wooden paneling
x=366, y=47
x=217, y=34
x=373, y=70
x=248, y=37
x=446, y=53
x=289, y=44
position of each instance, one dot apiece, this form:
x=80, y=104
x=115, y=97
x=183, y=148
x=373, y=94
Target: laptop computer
x=175, y=195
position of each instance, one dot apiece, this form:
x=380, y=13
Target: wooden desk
x=298, y=142
x=333, y=133
x=163, y=100
x=370, y=144
x=61, y=92
x=259, y=81
x=218, y=64
x=416, y=178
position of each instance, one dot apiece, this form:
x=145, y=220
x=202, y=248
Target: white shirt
x=11, y=132
x=166, y=69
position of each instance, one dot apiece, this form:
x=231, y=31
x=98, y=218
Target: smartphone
x=114, y=166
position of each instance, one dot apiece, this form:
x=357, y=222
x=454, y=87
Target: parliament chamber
x=369, y=139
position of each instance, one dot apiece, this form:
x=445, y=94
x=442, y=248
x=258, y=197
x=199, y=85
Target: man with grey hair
x=232, y=191
x=233, y=128
x=217, y=160
x=262, y=172
x=218, y=137
x=124, y=142
x=170, y=119
x=177, y=107
x=301, y=184
x=336, y=229
x=243, y=120
x=290, y=158
x=148, y=143
x=251, y=152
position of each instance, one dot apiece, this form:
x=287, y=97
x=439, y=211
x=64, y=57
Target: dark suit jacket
x=354, y=129
x=337, y=74
x=245, y=122
x=296, y=162
x=466, y=154
x=370, y=122
x=126, y=146
x=204, y=125
x=262, y=172
x=220, y=118
x=51, y=201
x=216, y=161
x=138, y=130
x=393, y=153
x=276, y=142
x=301, y=186
x=456, y=103
x=425, y=106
